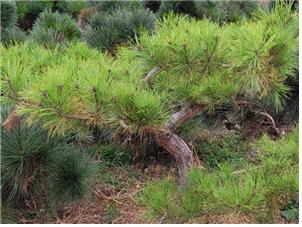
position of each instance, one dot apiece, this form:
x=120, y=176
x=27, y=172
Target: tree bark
x=11, y=121
x=179, y=150
x=178, y=118
x=152, y=73
x=172, y=143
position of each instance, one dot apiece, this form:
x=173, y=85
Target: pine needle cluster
x=107, y=29
x=258, y=191
x=33, y=164
x=52, y=28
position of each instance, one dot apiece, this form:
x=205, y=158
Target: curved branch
x=178, y=118
x=11, y=121
x=270, y=118
x=152, y=73
x=179, y=150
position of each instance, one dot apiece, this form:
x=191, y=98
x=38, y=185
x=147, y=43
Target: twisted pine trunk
x=180, y=151
x=174, y=144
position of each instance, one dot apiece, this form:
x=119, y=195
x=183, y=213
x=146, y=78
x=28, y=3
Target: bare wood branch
x=152, y=73
x=265, y=114
x=12, y=121
x=187, y=112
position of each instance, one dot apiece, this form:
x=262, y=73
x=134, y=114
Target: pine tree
x=150, y=89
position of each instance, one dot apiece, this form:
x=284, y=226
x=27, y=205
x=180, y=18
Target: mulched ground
x=113, y=199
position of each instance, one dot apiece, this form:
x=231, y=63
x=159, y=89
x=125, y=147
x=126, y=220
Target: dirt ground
x=112, y=200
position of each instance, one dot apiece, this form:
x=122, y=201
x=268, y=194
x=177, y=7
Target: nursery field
x=167, y=112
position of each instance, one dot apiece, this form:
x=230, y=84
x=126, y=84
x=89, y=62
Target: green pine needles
x=184, y=61
x=35, y=164
x=52, y=28
x=72, y=175
x=8, y=14
x=13, y=35
x=25, y=152
x=105, y=30
x=257, y=192
x=10, y=33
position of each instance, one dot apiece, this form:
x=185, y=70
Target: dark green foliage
x=8, y=214
x=291, y=211
x=230, y=148
x=111, y=154
x=8, y=14
x=111, y=212
x=70, y=7
x=115, y=155
x=33, y=164
x=105, y=30
x=9, y=32
x=152, y=5
x=225, y=10
x=54, y=28
x=258, y=191
x=13, y=35
x=25, y=152
x=218, y=11
x=5, y=110
x=33, y=7
x=71, y=176
x=28, y=11
x=110, y=6
x=178, y=7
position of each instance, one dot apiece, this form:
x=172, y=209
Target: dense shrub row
x=108, y=22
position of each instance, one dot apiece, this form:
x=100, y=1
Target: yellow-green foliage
x=21, y=65
x=258, y=191
x=198, y=62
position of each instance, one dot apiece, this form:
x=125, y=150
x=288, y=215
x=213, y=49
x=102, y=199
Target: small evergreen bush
x=70, y=7
x=178, y=7
x=225, y=10
x=105, y=30
x=25, y=153
x=29, y=11
x=10, y=33
x=13, y=35
x=54, y=28
x=34, y=164
x=72, y=175
x=8, y=14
